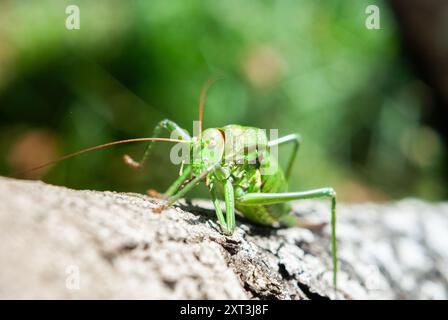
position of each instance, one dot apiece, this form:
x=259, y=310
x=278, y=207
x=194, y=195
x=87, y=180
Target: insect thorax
x=230, y=145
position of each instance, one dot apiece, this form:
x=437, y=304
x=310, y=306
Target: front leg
x=166, y=124
x=179, y=183
x=183, y=191
x=229, y=198
x=272, y=198
x=218, y=210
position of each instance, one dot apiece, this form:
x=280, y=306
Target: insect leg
x=164, y=124
x=297, y=140
x=179, y=181
x=230, y=205
x=180, y=193
x=272, y=198
x=218, y=209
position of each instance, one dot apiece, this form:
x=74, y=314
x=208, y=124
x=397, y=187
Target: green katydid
x=238, y=174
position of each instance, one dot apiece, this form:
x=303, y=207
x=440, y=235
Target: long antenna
x=204, y=90
x=95, y=148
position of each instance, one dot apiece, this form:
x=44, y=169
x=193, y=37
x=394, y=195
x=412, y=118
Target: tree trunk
x=69, y=244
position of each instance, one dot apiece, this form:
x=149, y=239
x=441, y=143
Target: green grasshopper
x=238, y=175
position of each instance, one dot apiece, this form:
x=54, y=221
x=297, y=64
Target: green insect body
x=237, y=162
x=261, y=198
x=248, y=177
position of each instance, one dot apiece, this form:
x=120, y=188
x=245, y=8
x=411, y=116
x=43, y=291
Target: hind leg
x=272, y=198
x=294, y=138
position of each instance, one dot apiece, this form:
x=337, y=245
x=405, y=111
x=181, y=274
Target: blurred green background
x=300, y=66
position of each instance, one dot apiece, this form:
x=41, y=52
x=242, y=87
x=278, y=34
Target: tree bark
x=61, y=243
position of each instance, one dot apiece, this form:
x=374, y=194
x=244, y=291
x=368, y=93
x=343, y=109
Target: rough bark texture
x=113, y=243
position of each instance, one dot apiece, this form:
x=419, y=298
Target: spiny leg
x=272, y=198
x=297, y=140
x=180, y=193
x=183, y=178
x=164, y=124
x=229, y=198
x=179, y=181
x=169, y=126
x=218, y=209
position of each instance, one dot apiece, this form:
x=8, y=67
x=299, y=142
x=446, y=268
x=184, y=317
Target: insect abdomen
x=269, y=214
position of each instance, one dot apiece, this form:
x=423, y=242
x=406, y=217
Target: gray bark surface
x=61, y=243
